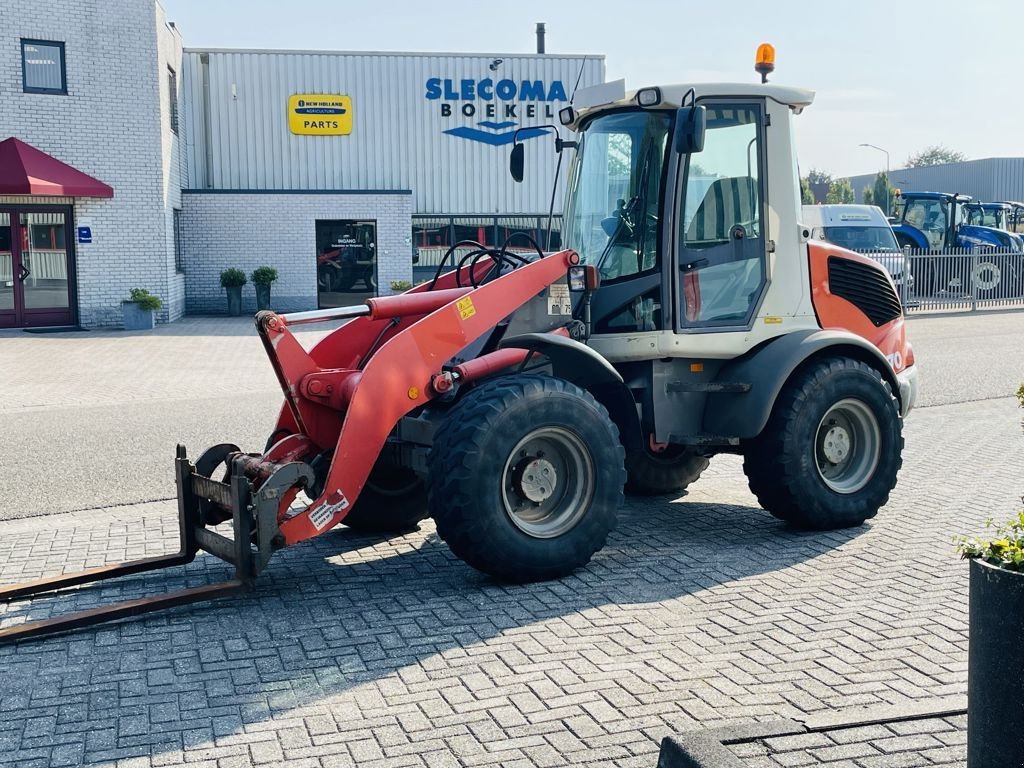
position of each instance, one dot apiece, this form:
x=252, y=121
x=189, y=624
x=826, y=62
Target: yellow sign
x=319, y=114
x=466, y=308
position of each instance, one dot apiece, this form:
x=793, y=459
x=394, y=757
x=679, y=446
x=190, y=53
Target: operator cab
x=682, y=237
x=994, y=215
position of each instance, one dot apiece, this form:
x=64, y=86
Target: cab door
x=721, y=210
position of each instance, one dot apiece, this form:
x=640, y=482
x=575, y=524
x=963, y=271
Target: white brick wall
x=246, y=230
x=117, y=54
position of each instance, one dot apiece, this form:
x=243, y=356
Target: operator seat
x=727, y=202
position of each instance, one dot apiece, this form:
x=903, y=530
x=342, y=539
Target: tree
x=868, y=195
x=806, y=196
x=840, y=191
x=816, y=176
x=935, y=155
x=883, y=193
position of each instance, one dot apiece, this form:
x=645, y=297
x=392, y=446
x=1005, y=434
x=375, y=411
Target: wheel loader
x=516, y=396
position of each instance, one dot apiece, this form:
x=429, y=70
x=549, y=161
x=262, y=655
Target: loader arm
x=396, y=379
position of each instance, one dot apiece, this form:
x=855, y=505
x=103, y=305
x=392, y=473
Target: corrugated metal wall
x=989, y=180
x=398, y=139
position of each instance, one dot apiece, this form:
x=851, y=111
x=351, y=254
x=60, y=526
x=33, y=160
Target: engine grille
x=866, y=287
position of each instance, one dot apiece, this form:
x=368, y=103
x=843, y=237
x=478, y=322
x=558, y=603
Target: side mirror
x=691, y=125
x=515, y=162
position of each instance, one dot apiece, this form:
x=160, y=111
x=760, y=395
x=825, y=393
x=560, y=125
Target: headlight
x=648, y=97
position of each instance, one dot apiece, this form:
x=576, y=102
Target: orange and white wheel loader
x=516, y=396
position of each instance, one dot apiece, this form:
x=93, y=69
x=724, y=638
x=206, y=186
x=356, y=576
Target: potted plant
x=232, y=280
x=139, y=312
x=262, y=277
x=995, y=663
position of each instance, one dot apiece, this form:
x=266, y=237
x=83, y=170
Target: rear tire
x=393, y=500
x=526, y=477
x=831, y=450
x=654, y=474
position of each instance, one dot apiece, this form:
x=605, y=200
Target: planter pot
x=995, y=668
x=234, y=300
x=262, y=296
x=136, y=318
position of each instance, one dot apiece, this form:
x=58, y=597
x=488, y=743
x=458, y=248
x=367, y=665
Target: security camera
x=494, y=65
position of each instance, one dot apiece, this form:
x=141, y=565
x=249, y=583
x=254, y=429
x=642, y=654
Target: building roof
x=25, y=170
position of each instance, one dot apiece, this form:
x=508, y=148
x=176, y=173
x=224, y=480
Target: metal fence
x=959, y=279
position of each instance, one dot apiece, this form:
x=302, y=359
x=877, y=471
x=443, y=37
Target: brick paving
x=358, y=650
x=935, y=742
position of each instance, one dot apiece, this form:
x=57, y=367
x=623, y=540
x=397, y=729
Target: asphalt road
x=107, y=436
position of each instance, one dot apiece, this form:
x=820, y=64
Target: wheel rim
x=987, y=276
x=847, y=446
x=547, y=482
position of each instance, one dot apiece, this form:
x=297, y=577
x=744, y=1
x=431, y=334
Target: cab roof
x=613, y=95
x=991, y=206
x=947, y=196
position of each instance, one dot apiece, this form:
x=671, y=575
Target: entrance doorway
x=346, y=262
x=35, y=267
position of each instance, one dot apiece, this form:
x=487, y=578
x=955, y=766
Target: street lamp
x=888, y=204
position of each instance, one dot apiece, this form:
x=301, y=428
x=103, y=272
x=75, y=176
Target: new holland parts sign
x=501, y=104
x=320, y=114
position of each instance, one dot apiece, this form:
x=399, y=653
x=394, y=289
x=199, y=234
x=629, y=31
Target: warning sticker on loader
x=465, y=307
x=321, y=516
x=558, y=300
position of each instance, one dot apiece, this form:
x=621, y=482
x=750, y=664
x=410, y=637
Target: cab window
x=721, y=239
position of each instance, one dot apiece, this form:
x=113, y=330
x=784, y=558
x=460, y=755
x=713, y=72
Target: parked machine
x=1015, y=216
x=864, y=229
x=936, y=222
x=515, y=398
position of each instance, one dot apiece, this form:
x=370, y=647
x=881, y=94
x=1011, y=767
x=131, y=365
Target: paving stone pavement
x=933, y=742
x=389, y=652
x=357, y=650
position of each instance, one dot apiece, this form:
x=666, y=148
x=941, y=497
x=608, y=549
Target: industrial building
x=990, y=180
x=129, y=160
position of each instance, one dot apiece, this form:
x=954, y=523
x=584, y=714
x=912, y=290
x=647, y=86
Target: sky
x=900, y=75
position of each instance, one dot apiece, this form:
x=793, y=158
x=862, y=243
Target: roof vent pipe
x=540, y=37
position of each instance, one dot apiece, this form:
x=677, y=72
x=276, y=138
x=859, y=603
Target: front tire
x=657, y=474
x=526, y=477
x=831, y=450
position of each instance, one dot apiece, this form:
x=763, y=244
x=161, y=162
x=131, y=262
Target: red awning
x=24, y=170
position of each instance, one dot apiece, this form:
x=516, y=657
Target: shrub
x=263, y=275
x=1004, y=550
x=400, y=285
x=231, y=278
x=144, y=299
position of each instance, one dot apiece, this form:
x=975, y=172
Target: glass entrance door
x=8, y=314
x=346, y=262
x=35, y=284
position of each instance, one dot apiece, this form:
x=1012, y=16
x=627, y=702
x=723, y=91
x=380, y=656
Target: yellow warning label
x=772, y=320
x=466, y=308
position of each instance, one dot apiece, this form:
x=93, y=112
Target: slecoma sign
x=505, y=99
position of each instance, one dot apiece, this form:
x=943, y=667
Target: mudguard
x=578, y=363
x=907, y=234
x=769, y=367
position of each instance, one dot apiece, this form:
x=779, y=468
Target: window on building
x=172, y=93
x=42, y=67
x=179, y=257
x=432, y=236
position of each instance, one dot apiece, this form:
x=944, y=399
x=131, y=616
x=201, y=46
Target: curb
x=707, y=748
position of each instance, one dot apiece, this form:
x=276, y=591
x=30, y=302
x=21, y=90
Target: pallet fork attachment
x=254, y=524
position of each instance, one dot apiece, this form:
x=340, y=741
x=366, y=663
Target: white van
x=860, y=228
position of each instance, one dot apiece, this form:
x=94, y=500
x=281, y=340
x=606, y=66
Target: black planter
x=995, y=668
x=234, y=300
x=262, y=296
